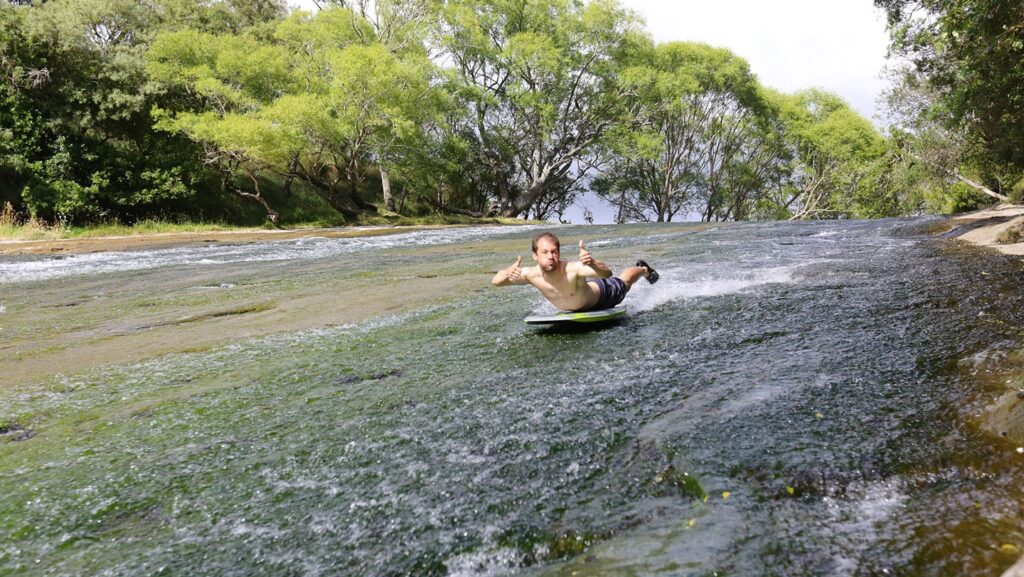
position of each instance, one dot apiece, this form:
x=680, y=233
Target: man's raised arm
x=509, y=276
x=591, y=266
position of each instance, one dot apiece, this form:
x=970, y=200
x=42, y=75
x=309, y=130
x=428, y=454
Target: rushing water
x=790, y=399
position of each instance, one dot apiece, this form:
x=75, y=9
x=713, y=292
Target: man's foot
x=652, y=275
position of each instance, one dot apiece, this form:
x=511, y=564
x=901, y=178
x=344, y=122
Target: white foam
x=491, y=563
x=241, y=527
x=680, y=284
x=220, y=254
x=855, y=521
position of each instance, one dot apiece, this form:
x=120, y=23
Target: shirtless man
x=581, y=285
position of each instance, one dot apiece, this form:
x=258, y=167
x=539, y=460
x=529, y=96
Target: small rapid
x=789, y=399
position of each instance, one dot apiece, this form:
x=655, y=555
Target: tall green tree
x=540, y=80
x=79, y=141
x=322, y=100
x=969, y=54
x=941, y=160
x=835, y=151
x=707, y=142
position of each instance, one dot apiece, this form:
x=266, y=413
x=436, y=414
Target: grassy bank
x=298, y=208
x=32, y=229
x=38, y=230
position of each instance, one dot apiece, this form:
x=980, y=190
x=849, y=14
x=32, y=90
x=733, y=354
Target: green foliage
x=969, y=55
x=839, y=158
x=707, y=141
x=76, y=136
x=957, y=197
x=315, y=101
x=1017, y=191
x=121, y=110
x=713, y=141
x=540, y=83
x=934, y=153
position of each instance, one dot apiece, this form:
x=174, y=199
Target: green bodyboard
x=598, y=316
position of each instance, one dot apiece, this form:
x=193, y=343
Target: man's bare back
x=565, y=283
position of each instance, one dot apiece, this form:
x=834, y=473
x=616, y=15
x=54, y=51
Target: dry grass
x=8, y=218
x=1011, y=235
x=14, y=226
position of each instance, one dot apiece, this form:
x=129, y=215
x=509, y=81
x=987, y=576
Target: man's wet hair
x=547, y=235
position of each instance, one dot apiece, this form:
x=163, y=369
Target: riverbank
x=1000, y=228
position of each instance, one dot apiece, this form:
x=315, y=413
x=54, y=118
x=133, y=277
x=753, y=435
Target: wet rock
x=672, y=480
x=1006, y=417
x=953, y=232
x=650, y=467
x=1017, y=570
x=14, y=432
x=927, y=226
x=350, y=379
x=569, y=544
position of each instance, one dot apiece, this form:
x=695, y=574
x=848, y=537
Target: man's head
x=547, y=251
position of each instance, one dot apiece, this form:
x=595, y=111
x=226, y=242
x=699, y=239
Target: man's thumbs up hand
x=514, y=271
x=585, y=257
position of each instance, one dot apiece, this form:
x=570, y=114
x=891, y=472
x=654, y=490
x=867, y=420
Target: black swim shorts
x=613, y=290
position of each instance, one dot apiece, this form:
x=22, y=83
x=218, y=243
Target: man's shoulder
x=531, y=272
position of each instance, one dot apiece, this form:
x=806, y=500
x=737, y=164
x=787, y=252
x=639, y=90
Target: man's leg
x=633, y=274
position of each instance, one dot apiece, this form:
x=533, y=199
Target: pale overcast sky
x=837, y=45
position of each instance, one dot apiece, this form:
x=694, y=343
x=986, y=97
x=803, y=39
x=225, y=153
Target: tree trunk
x=385, y=185
x=332, y=199
x=327, y=189
x=956, y=174
x=271, y=213
x=402, y=194
x=978, y=187
x=353, y=193
x=452, y=210
x=666, y=188
x=533, y=193
x=504, y=198
x=353, y=175
x=288, y=178
x=622, y=205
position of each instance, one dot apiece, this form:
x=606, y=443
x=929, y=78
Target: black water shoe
x=652, y=275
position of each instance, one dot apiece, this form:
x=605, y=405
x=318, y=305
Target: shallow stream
x=790, y=399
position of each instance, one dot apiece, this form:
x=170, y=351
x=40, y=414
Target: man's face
x=547, y=256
